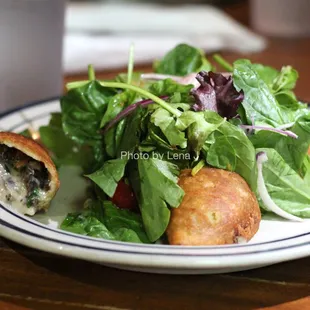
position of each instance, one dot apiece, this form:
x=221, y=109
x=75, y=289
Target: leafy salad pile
x=133, y=134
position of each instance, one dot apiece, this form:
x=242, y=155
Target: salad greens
x=102, y=220
x=286, y=188
x=229, y=148
x=133, y=136
x=182, y=60
x=108, y=176
x=155, y=197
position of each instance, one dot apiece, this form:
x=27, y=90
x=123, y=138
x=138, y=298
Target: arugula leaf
x=163, y=119
x=82, y=110
x=155, y=140
x=286, y=79
x=278, y=81
x=157, y=146
x=155, y=186
x=182, y=60
x=259, y=102
x=229, y=148
x=286, y=188
x=281, y=84
x=109, y=175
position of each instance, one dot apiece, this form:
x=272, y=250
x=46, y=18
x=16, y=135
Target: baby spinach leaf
x=82, y=110
x=26, y=133
x=129, y=142
x=229, y=148
x=116, y=104
x=177, y=92
x=86, y=224
x=287, y=99
x=293, y=151
x=155, y=185
x=259, y=102
x=286, y=188
x=306, y=172
x=119, y=221
x=266, y=73
x=64, y=150
x=182, y=60
x=109, y=175
x=104, y=220
x=127, y=235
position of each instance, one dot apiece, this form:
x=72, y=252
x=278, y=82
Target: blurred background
x=49, y=41
x=108, y=27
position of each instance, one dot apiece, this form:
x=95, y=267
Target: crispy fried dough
x=218, y=208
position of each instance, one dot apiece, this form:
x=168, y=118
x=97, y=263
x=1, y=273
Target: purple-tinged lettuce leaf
x=216, y=93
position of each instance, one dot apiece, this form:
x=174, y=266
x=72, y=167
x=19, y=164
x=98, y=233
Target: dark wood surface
x=42, y=281
x=30, y=279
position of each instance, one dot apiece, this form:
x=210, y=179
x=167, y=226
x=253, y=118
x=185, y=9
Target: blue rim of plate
x=135, y=245
x=28, y=105
x=127, y=244
x=63, y=232
x=32, y=234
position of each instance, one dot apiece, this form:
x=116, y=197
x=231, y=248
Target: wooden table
x=38, y=280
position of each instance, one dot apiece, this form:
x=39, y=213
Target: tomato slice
x=124, y=197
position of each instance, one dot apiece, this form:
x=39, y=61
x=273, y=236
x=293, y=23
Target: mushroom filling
x=23, y=180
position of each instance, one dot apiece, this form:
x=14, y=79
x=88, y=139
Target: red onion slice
x=127, y=111
x=277, y=130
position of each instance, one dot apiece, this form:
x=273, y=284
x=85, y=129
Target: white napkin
x=101, y=33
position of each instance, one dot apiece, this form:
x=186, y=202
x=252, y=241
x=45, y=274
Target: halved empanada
x=28, y=176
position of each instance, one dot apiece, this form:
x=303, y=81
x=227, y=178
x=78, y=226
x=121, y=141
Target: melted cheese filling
x=13, y=192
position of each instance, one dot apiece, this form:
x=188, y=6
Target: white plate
x=276, y=241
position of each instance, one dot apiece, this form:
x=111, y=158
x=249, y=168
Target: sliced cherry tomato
x=124, y=197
